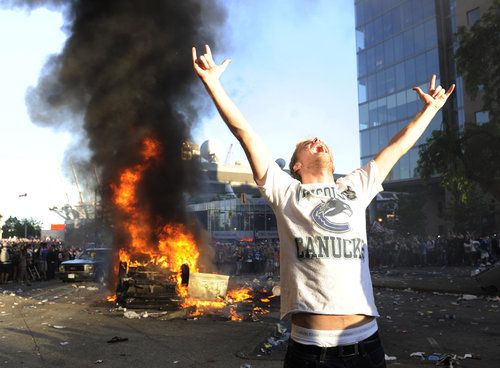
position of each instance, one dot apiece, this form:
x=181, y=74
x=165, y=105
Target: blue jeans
x=369, y=353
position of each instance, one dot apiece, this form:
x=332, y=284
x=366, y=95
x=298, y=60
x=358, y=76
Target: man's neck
x=316, y=178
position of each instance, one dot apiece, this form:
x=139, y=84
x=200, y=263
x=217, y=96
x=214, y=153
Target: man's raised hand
x=436, y=96
x=206, y=68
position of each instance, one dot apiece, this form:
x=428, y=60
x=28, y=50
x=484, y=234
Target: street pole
x=25, y=195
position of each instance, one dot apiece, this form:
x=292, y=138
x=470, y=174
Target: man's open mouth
x=319, y=148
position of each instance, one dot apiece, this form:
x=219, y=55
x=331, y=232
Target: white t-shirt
x=323, y=247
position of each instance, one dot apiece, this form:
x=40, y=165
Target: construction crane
x=228, y=155
x=83, y=210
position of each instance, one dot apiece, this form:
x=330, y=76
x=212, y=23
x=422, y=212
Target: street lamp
x=25, y=220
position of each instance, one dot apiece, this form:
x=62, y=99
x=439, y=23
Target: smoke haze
x=125, y=74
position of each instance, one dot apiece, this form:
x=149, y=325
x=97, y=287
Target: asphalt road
x=52, y=324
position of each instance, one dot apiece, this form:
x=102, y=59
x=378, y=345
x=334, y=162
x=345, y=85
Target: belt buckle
x=343, y=355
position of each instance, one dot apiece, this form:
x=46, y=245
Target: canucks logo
x=324, y=213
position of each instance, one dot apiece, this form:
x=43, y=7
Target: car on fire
x=91, y=265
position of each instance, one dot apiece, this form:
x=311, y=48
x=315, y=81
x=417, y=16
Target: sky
x=293, y=75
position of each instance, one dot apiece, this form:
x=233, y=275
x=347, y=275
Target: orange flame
x=259, y=311
x=238, y=295
x=176, y=246
x=235, y=316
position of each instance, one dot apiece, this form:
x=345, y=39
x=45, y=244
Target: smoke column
x=124, y=74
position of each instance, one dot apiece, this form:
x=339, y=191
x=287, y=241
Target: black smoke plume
x=125, y=74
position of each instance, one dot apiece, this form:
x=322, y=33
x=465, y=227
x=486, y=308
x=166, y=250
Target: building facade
x=230, y=207
x=397, y=48
x=399, y=45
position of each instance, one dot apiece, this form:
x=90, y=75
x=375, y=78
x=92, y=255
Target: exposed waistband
x=327, y=338
x=367, y=345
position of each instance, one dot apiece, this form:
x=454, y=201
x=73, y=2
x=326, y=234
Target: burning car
x=91, y=265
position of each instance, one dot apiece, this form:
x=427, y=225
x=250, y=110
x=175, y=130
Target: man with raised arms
x=325, y=280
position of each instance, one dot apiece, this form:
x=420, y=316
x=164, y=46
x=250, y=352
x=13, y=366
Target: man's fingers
x=432, y=83
x=208, y=51
x=436, y=91
x=208, y=56
x=419, y=91
x=225, y=63
x=450, y=90
x=196, y=62
x=204, y=62
x=440, y=94
x=193, y=51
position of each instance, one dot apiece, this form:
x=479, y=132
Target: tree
x=470, y=160
x=19, y=228
x=474, y=216
x=477, y=59
x=411, y=219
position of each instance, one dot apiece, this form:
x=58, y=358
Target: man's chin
x=324, y=161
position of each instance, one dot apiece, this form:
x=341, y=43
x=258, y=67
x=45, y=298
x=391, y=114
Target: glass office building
x=400, y=44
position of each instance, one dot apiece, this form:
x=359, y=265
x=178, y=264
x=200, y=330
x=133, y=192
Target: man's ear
x=296, y=167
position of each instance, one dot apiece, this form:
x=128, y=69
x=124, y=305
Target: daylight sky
x=293, y=74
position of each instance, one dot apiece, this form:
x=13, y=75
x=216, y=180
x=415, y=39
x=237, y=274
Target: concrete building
x=230, y=206
x=399, y=45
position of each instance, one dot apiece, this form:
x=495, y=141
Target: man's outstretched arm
x=255, y=150
x=401, y=143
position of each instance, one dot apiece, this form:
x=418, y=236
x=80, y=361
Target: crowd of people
x=238, y=258
x=25, y=260
x=386, y=250
x=453, y=250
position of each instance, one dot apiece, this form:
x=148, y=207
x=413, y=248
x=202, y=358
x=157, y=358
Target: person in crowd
x=5, y=263
x=23, y=266
x=14, y=259
x=52, y=262
x=239, y=261
x=42, y=261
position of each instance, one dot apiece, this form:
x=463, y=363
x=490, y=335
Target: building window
x=365, y=142
x=382, y=137
x=360, y=39
x=374, y=147
x=432, y=62
x=472, y=16
x=382, y=110
x=398, y=48
x=430, y=28
x=363, y=116
x=391, y=108
x=404, y=167
x=362, y=90
x=482, y=117
x=360, y=14
x=372, y=114
x=361, y=63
